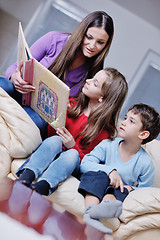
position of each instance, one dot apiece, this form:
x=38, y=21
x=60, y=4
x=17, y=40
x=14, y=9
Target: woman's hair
x=63, y=61
x=150, y=119
x=106, y=113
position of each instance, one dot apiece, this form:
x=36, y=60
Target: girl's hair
x=106, y=113
x=63, y=61
x=150, y=119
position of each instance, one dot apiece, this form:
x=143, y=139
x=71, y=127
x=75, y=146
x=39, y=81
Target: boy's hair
x=150, y=119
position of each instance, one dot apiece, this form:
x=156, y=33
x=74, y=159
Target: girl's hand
x=19, y=84
x=115, y=180
x=67, y=138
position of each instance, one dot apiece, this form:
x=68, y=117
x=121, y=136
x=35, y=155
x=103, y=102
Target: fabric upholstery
x=19, y=136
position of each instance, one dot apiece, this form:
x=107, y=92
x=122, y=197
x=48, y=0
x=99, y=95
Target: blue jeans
x=53, y=169
x=10, y=89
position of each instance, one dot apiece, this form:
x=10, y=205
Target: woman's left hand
x=67, y=138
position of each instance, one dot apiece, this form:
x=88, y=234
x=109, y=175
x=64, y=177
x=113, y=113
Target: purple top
x=45, y=50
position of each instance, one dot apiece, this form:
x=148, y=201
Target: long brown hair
x=65, y=58
x=106, y=113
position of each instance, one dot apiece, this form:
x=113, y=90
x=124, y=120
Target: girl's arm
x=68, y=140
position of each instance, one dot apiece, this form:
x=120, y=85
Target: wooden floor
x=33, y=210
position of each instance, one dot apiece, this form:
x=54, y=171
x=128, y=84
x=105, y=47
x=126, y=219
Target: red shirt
x=75, y=127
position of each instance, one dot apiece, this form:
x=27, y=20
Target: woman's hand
x=67, y=138
x=19, y=84
x=115, y=180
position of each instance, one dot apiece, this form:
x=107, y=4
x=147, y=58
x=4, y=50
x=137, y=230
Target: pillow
x=138, y=224
x=153, y=149
x=19, y=136
x=139, y=202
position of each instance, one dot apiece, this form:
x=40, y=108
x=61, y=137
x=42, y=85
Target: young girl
x=91, y=118
x=71, y=57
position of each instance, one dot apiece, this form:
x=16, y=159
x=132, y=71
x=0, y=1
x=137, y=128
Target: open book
x=50, y=98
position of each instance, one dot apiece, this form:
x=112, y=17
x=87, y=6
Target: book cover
x=50, y=99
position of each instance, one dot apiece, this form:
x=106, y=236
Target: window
x=54, y=15
x=51, y=15
x=145, y=85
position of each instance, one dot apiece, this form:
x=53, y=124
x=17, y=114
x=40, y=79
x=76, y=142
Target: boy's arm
x=146, y=179
x=96, y=159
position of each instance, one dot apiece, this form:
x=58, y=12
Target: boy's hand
x=67, y=138
x=129, y=188
x=115, y=180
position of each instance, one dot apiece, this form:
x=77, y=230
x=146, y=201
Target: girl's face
x=93, y=86
x=94, y=41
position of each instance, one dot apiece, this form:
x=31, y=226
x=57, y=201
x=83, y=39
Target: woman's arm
x=42, y=50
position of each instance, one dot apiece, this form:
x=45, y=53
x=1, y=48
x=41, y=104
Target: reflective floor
x=33, y=210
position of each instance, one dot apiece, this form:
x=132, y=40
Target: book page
x=50, y=99
x=23, y=51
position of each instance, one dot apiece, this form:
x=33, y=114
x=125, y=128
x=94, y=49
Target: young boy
x=112, y=168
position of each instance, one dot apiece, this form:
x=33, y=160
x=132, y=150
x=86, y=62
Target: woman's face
x=94, y=41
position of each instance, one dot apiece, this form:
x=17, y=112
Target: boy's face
x=131, y=127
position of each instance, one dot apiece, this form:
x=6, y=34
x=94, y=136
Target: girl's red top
x=75, y=127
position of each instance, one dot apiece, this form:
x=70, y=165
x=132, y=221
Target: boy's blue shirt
x=106, y=157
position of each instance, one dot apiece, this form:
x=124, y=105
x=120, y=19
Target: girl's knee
x=53, y=140
x=74, y=157
x=74, y=153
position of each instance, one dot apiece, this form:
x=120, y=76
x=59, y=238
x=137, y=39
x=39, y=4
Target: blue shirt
x=106, y=157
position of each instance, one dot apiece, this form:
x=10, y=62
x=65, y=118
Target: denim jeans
x=10, y=89
x=53, y=169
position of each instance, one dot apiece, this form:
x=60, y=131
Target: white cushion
x=138, y=224
x=19, y=136
x=140, y=202
x=153, y=149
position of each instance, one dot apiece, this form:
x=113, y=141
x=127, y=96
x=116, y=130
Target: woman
x=71, y=57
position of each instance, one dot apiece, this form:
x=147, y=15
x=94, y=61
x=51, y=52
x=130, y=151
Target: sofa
x=19, y=137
